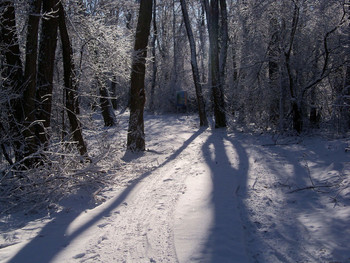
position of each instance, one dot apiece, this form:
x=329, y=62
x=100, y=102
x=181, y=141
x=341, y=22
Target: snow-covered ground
x=200, y=195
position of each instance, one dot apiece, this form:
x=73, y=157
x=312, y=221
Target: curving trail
x=202, y=195
x=178, y=211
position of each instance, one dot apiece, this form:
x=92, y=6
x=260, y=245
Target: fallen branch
x=309, y=187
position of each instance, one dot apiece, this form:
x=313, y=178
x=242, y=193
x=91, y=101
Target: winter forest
x=107, y=106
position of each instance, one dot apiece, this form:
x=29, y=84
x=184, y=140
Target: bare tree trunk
x=296, y=108
x=114, y=93
x=30, y=74
x=154, y=62
x=195, y=72
x=175, y=75
x=47, y=48
x=136, y=134
x=218, y=96
x=106, y=106
x=314, y=117
x=345, y=110
x=70, y=84
x=203, y=42
x=273, y=54
x=223, y=42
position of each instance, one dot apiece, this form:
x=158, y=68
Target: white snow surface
x=200, y=195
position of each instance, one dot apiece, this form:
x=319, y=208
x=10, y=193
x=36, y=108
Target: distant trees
x=284, y=64
x=256, y=64
x=66, y=66
x=12, y=76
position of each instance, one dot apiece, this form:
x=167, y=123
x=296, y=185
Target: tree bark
x=345, y=110
x=217, y=90
x=203, y=121
x=114, y=93
x=136, y=134
x=46, y=59
x=30, y=73
x=154, y=62
x=296, y=108
x=105, y=103
x=223, y=41
x=70, y=84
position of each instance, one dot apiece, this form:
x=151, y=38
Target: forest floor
x=200, y=195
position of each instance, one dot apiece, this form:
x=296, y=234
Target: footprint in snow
x=80, y=255
x=103, y=225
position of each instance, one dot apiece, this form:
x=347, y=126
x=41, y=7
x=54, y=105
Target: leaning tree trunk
x=13, y=72
x=70, y=84
x=217, y=89
x=46, y=59
x=196, y=78
x=136, y=134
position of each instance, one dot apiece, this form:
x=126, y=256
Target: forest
x=97, y=94
x=274, y=66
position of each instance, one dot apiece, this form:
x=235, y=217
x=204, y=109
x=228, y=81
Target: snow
x=200, y=195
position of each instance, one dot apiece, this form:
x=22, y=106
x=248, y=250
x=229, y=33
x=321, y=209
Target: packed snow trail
x=145, y=223
x=210, y=208
x=200, y=195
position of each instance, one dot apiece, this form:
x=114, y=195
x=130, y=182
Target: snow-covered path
x=144, y=222
x=210, y=209
x=202, y=195
x=147, y=224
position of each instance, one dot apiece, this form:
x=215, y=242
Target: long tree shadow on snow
x=53, y=238
x=307, y=203
x=228, y=163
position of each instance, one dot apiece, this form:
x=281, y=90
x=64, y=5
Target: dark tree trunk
x=223, y=41
x=106, y=107
x=136, y=134
x=217, y=90
x=195, y=72
x=114, y=93
x=13, y=73
x=46, y=59
x=30, y=73
x=296, y=109
x=345, y=111
x=70, y=84
x=273, y=69
x=297, y=117
x=154, y=62
x=314, y=114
